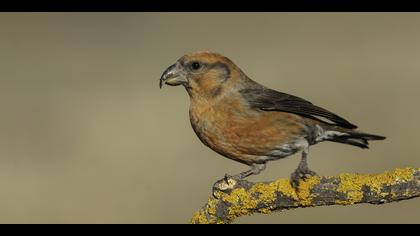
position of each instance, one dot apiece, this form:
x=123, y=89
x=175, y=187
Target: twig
x=234, y=198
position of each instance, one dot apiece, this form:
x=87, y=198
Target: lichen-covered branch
x=234, y=198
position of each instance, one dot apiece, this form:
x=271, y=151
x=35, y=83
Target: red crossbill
x=250, y=123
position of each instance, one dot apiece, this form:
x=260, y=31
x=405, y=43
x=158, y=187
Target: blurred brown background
x=88, y=137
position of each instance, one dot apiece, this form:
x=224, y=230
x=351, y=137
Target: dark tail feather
x=356, y=138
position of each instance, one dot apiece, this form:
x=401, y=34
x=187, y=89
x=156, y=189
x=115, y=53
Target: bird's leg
x=302, y=171
x=255, y=170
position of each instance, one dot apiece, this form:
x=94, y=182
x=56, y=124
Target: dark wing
x=271, y=100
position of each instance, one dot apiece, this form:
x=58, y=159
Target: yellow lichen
x=352, y=184
x=304, y=190
x=211, y=206
x=284, y=186
x=404, y=174
x=265, y=210
x=199, y=218
x=242, y=203
x=266, y=192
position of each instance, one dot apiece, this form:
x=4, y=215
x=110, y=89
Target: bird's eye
x=195, y=65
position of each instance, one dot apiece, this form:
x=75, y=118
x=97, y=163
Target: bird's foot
x=300, y=174
x=228, y=182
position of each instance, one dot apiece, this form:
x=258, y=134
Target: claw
x=301, y=175
x=225, y=184
x=227, y=177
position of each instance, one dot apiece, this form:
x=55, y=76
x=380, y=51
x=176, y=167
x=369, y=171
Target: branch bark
x=234, y=198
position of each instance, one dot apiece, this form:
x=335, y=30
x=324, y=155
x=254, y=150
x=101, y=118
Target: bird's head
x=203, y=74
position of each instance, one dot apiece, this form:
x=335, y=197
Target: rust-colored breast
x=232, y=129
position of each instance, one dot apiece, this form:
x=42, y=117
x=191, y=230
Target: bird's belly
x=247, y=140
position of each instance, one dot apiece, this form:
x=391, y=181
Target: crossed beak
x=172, y=76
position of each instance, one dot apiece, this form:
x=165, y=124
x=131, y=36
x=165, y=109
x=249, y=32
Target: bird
x=250, y=123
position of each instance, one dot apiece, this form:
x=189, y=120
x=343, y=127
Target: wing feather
x=270, y=100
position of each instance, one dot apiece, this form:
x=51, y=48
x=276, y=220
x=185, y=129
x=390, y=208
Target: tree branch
x=234, y=198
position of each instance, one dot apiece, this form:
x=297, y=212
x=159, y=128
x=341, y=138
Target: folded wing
x=270, y=100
